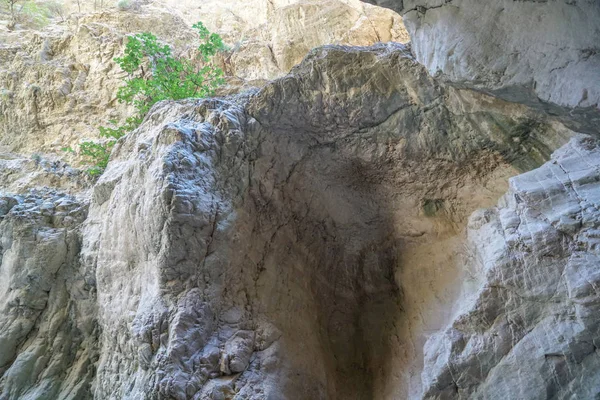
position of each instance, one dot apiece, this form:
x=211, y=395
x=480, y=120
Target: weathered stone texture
x=48, y=330
x=269, y=236
x=57, y=85
x=334, y=235
x=519, y=49
x=526, y=327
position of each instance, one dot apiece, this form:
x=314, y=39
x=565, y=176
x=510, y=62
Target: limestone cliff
x=526, y=327
x=59, y=84
x=356, y=229
x=518, y=49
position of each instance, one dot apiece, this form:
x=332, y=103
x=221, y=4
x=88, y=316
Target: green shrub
x=154, y=74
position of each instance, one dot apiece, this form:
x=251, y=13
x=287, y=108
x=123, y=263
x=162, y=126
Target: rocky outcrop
x=320, y=238
x=267, y=245
x=518, y=49
x=526, y=326
x=270, y=50
x=48, y=334
x=19, y=174
x=59, y=84
x=264, y=18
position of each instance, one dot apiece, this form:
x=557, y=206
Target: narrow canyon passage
x=361, y=220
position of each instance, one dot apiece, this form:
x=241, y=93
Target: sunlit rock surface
x=58, y=84
x=527, y=326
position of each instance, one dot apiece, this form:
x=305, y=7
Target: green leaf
x=155, y=74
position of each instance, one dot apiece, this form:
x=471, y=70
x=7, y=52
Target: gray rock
x=48, y=333
x=512, y=47
x=304, y=241
x=528, y=330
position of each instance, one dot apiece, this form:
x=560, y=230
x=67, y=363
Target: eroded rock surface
x=59, y=84
x=309, y=240
x=48, y=330
x=275, y=234
x=512, y=47
x=527, y=325
x=271, y=49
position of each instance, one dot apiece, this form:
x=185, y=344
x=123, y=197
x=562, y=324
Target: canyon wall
x=59, y=83
x=521, y=50
x=355, y=229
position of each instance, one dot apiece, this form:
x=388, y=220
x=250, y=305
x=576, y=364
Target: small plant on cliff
x=155, y=74
x=57, y=9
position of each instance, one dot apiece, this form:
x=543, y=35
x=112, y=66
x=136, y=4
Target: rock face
x=527, y=326
x=263, y=245
x=271, y=49
x=511, y=47
x=59, y=84
x=49, y=332
x=333, y=235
